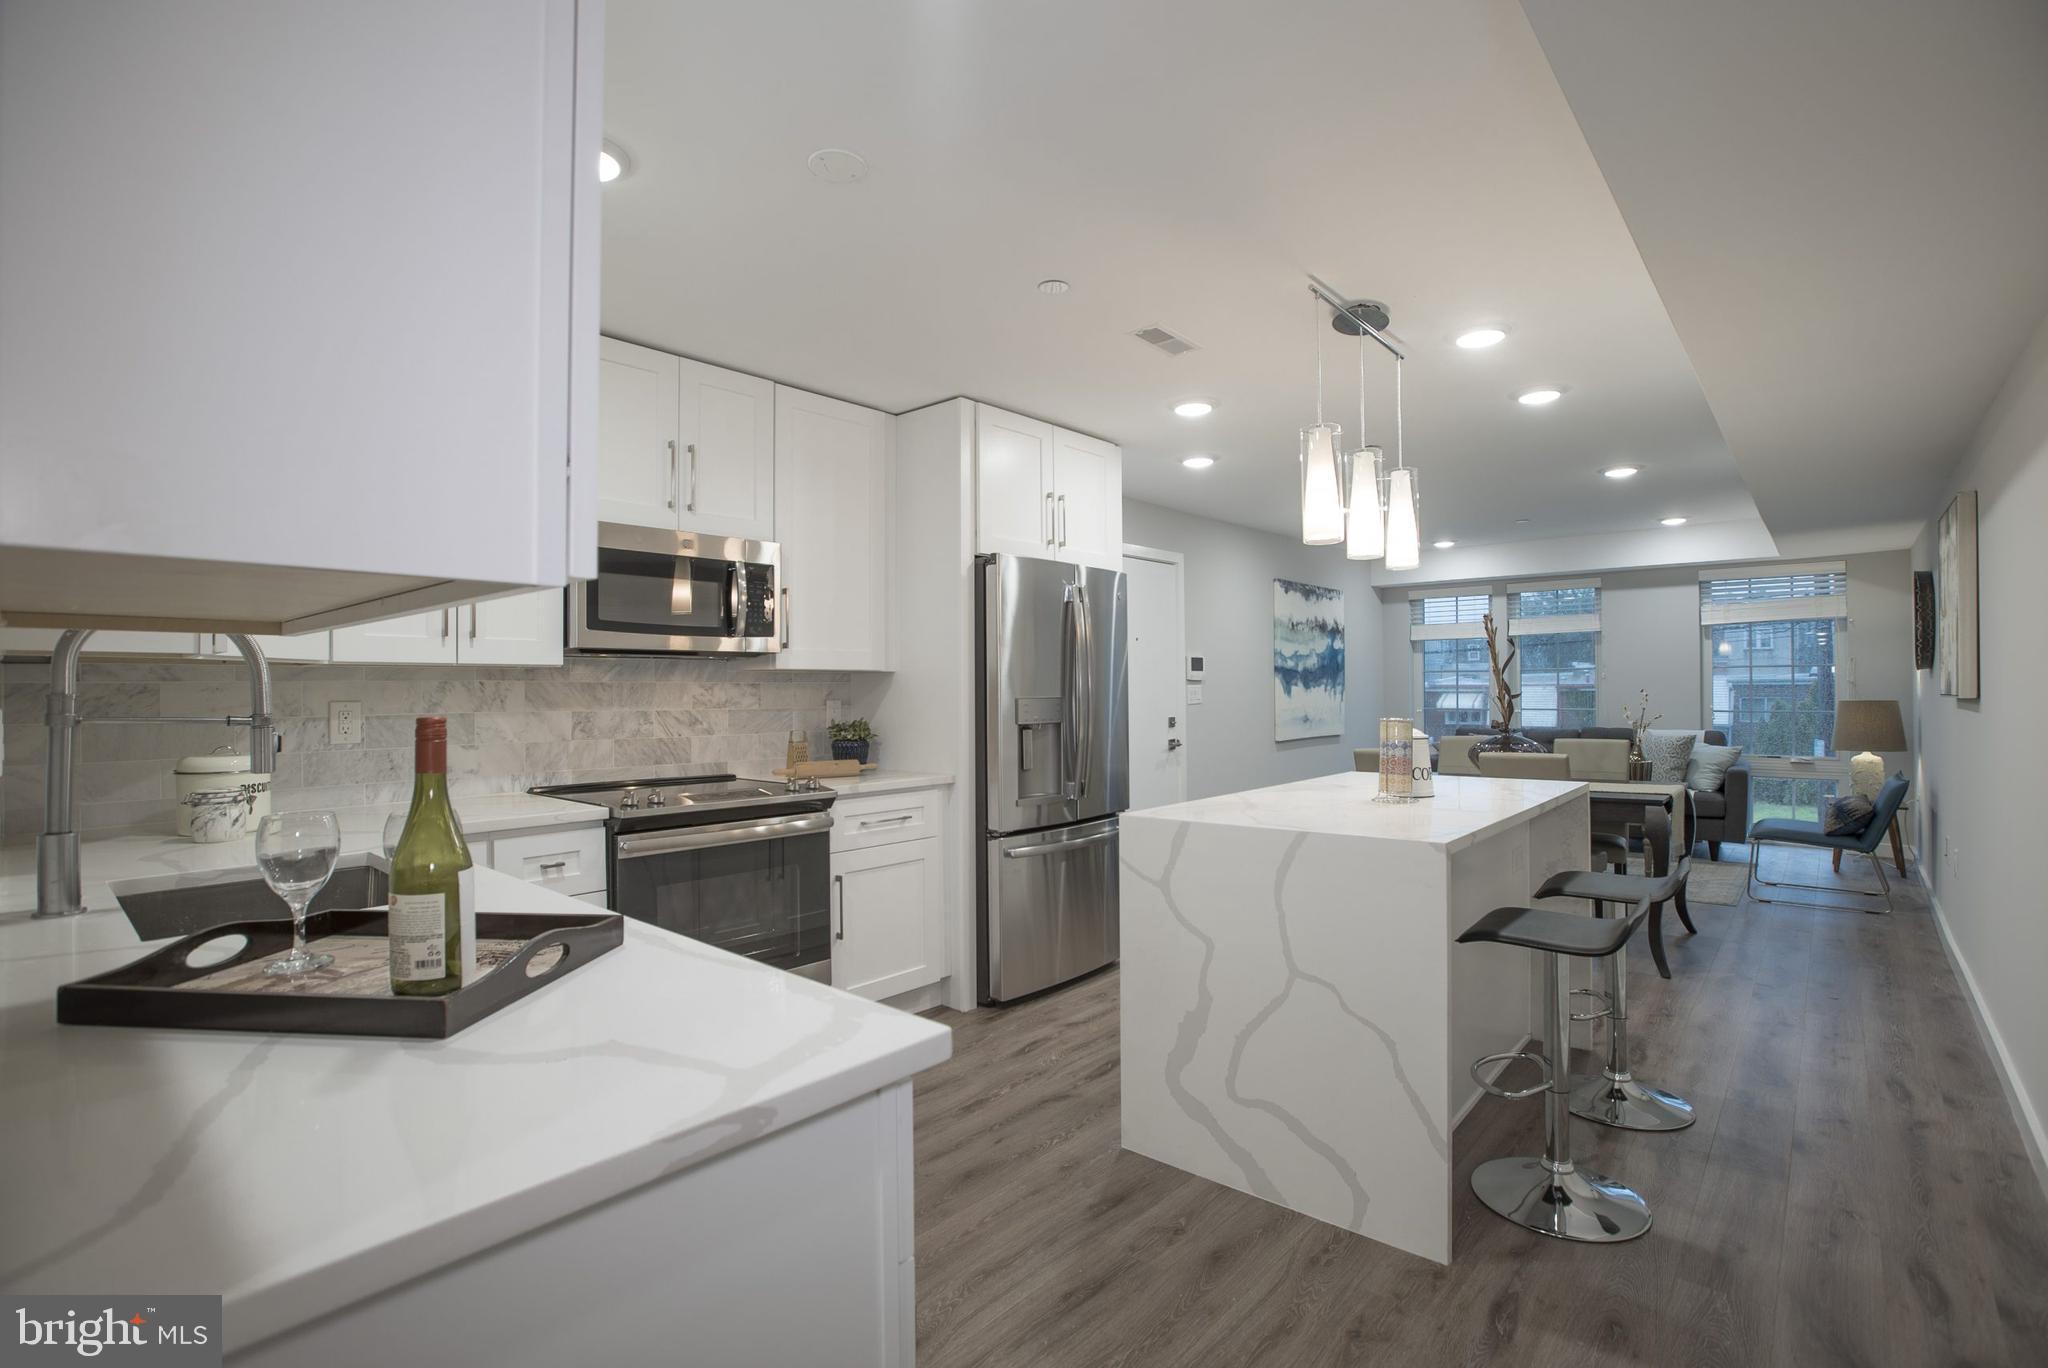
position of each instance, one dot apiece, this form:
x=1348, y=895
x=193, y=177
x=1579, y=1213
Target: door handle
x=1051, y=526
x=692, y=504
x=1031, y=852
x=674, y=475
x=1173, y=743
x=839, y=888
x=1062, y=505
x=785, y=616
x=444, y=624
x=472, y=624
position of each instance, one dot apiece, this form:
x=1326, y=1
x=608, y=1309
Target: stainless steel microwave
x=677, y=593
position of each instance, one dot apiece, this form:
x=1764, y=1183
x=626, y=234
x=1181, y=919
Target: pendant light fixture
x=1365, y=517
x=1322, y=495
x=1404, y=525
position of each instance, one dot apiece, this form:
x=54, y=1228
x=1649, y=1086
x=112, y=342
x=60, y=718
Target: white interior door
x=637, y=458
x=1158, y=656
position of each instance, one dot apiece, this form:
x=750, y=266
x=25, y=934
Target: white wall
x=1230, y=574
x=1650, y=639
x=1980, y=771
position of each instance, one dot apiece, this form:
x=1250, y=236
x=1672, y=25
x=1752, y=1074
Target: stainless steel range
x=742, y=864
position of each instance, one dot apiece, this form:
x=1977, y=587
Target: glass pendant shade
x=1365, y=523
x=1322, y=498
x=1404, y=531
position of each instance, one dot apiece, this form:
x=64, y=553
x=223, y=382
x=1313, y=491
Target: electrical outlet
x=345, y=724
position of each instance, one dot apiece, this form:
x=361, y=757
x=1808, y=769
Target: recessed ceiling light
x=1537, y=398
x=1194, y=408
x=1444, y=545
x=1199, y=462
x=1521, y=522
x=612, y=163
x=837, y=166
x=1621, y=472
x=1052, y=285
x=1672, y=522
x=1480, y=338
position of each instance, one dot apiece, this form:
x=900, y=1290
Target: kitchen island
x=597, y=1174
x=1297, y=1020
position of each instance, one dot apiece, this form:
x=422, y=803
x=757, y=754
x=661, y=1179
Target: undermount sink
x=181, y=911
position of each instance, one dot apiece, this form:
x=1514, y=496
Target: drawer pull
x=554, y=864
x=887, y=821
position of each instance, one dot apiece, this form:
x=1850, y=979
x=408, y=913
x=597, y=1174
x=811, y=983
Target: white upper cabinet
x=518, y=629
x=726, y=469
x=311, y=646
x=834, y=465
x=300, y=306
x=1088, y=500
x=639, y=399
x=1014, y=494
x=415, y=639
x=1044, y=491
x=40, y=640
x=684, y=445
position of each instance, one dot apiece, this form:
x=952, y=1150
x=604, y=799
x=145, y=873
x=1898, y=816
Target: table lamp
x=1867, y=725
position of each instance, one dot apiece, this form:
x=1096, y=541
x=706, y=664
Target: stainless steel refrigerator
x=1055, y=770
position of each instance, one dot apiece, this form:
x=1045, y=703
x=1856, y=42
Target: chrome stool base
x=1572, y=1205
x=1628, y=1105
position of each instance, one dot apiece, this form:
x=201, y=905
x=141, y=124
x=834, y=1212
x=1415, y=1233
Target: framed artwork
x=1923, y=619
x=1955, y=598
x=1308, y=661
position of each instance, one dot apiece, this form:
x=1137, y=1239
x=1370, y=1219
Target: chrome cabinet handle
x=444, y=624
x=554, y=864
x=472, y=624
x=867, y=822
x=1063, y=519
x=692, y=504
x=785, y=615
x=1051, y=523
x=839, y=887
x=674, y=477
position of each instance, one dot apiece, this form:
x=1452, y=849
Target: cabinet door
x=1088, y=500
x=518, y=629
x=638, y=449
x=418, y=638
x=889, y=936
x=833, y=469
x=308, y=646
x=1013, y=483
x=727, y=463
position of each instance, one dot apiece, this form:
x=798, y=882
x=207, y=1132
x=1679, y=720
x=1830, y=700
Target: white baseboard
x=2032, y=1134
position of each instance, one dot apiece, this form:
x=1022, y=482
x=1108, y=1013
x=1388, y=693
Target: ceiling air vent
x=1164, y=340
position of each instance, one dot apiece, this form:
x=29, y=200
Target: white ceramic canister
x=202, y=773
x=1423, y=781
x=218, y=814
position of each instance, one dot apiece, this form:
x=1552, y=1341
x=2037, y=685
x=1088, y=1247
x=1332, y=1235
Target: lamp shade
x=1869, y=724
x=1322, y=497
x=1365, y=524
x=1404, y=532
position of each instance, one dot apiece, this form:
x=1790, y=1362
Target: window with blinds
x=1442, y=616
x=1772, y=636
x=1557, y=630
x=1554, y=608
x=1784, y=594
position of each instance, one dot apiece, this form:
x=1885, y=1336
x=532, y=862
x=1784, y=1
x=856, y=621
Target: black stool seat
x=1602, y=886
x=1559, y=933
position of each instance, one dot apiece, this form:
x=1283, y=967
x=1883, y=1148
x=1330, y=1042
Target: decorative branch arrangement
x=1504, y=698
x=1639, y=721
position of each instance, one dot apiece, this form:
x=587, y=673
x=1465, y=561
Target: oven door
x=675, y=592
x=761, y=887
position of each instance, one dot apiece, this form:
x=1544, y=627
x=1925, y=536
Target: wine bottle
x=429, y=876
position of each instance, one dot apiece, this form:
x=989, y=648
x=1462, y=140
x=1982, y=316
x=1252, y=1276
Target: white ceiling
x=1182, y=165
x=1844, y=204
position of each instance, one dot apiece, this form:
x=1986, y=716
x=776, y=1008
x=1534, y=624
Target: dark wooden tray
x=353, y=997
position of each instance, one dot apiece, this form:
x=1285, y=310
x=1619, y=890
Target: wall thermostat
x=1194, y=668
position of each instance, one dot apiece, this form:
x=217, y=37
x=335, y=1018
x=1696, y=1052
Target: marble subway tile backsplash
x=508, y=729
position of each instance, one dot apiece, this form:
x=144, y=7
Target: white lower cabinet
x=564, y=859
x=888, y=929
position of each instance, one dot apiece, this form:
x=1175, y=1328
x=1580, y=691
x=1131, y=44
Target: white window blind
x=1554, y=608
x=1787, y=593
x=1438, y=617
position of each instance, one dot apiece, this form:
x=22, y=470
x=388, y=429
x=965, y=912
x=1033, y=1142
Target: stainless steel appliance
x=677, y=593
x=742, y=864
x=1055, y=770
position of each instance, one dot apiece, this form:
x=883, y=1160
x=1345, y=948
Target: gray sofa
x=1723, y=815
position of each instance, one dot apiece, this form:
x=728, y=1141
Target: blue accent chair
x=1785, y=831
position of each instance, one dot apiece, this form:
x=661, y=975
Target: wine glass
x=394, y=827
x=297, y=851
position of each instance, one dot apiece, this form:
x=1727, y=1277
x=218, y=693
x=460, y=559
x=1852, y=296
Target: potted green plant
x=851, y=739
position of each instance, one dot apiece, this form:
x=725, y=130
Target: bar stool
x=1552, y=1195
x=1615, y=1098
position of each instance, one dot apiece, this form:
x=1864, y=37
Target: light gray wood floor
x=1854, y=1192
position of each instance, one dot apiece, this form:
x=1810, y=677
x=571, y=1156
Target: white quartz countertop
x=107, y=859
x=297, y=1174
x=1465, y=808
x=887, y=781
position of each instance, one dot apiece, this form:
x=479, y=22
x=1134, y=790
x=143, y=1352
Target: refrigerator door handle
x=1084, y=677
x=1075, y=609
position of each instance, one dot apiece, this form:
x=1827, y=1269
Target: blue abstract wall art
x=1308, y=661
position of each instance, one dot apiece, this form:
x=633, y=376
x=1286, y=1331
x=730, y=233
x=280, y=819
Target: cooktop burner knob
x=630, y=801
x=657, y=799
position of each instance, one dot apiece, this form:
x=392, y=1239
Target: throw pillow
x=1848, y=815
x=1668, y=752
x=1707, y=770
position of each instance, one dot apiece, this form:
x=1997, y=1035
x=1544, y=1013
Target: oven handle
x=642, y=845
